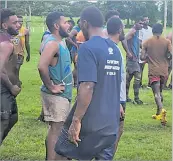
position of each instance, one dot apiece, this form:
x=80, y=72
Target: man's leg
x=161, y=113
x=162, y=84
x=136, y=87
x=170, y=84
x=56, y=110
x=9, y=115
x=10, y=123
x=121, y=128
x=53, y=133
x=128, y=80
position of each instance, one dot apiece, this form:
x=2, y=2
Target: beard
x=86, y=35
x=12, y=32
x=62, y=33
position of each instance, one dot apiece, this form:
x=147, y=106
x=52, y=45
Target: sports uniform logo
x=16, y=41
x=110, y=50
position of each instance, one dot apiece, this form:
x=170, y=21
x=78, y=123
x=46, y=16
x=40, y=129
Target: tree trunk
x=5, y=3
x=165, y=14
x=128, y=22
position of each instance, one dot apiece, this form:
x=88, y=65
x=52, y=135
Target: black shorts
x=20, y=59
x=8, y=114
x=92, y=146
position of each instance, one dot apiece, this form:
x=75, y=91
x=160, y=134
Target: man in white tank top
x=144, y=34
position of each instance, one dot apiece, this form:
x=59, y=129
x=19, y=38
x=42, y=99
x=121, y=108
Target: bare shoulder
x=51, y=47
x=6, y=44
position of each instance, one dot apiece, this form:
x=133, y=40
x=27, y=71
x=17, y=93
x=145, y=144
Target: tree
x=129, y=9
x=169, y=13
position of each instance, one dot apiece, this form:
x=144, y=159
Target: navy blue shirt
x=99, y=61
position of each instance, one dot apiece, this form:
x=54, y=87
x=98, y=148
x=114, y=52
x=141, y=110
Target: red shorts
x=160, y=79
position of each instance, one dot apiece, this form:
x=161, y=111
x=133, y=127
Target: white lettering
x=112, y=67
x=111, y=73
x=112, y=62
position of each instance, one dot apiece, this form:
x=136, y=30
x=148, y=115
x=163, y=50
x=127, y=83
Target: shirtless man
x=157, y=51
x=10, y=84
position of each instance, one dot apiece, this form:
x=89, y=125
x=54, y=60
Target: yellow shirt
x=18, y=49
x=22, y=33
x=19, y=42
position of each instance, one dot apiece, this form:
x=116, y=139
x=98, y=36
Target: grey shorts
x=133, y=66
x=55, y=108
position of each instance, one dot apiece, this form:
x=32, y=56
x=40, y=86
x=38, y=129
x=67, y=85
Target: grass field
x=143, y=138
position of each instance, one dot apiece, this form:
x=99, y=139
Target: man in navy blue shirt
x=93, y=122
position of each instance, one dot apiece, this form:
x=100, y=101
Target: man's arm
x=14, y=89
x=169, y=53
x=144, y=51
x=27, y=45
x=125, y=46
x=130, y=34
x=169, y=37
x=69, y=40
x=6, y=49
x=73, y=33
x=5, y=79
x=46, y=58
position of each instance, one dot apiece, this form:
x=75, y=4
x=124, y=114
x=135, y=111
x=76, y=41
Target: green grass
x=143, y=138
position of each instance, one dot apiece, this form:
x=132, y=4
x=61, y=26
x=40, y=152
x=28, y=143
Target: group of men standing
x=91, y=129
x=97, y=67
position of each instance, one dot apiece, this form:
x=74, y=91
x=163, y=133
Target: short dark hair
x=19, y=16
x=157, y=29
x=110, y=14
x=93, y=16
x=52, y=18
x=113, y=25
x=5, y=14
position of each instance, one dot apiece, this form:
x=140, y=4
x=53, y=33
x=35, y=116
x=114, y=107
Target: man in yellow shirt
x=20, y=42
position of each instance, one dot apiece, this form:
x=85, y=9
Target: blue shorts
x=106, y=154
x=92, y=146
